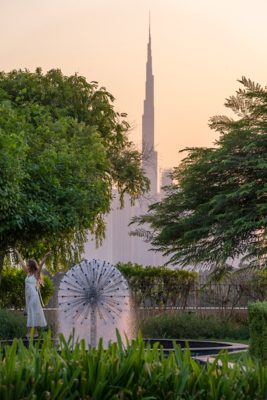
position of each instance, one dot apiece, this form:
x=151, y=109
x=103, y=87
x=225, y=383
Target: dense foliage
x=12, y=325
x=191, y=326
x=257, y=313
x=63, y=147
x=130, y=372
x=216, y=207
x=12, y=288
x=158, y=286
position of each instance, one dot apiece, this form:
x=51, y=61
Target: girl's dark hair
x=32, y=265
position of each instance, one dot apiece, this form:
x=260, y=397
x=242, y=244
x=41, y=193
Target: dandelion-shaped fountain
x=90, y=294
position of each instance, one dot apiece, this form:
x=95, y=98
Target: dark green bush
x=132, y=372
x=158, y=286
x=12, y=288
x=191, y=326
x=12, y=324
x=47, y=289
x=257, y=314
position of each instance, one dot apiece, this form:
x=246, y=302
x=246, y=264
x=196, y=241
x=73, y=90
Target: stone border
x=199, y=347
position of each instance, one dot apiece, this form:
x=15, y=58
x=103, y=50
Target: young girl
x=35, y=313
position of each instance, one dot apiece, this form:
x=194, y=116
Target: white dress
x=35, y=313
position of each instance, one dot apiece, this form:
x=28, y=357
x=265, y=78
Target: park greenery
x=134, y=370
x=63, y=148
x=12, y=325
x=193, y=326
x=12, y=289
x=161, y=287
x=158, y=286
x=257, y=314
x=216, y=207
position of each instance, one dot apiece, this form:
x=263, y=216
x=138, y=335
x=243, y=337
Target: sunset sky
x=200, y=48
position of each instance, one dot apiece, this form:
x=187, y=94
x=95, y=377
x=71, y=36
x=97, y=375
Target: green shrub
x=257, y=313
x=12, y=324
x=135, y=372
x=158, y=286
x=12, y=288
x=47, y=289
x=191, y=326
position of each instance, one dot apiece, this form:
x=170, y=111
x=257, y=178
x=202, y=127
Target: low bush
x=191, y=326
x=158, y=286
x=257, y=314
x=47, y=289
x=12, y=288
x=12, y=324
x=134, y=372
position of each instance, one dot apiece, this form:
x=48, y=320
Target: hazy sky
x=200, y=48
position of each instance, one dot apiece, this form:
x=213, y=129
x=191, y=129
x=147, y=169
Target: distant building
x=150, y=156
x=166, y=180
x=118, y=245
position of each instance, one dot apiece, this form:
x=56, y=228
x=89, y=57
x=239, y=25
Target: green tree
x=216, y=206
x=63, y=148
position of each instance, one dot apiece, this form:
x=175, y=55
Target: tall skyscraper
x=150, y=157
x=119, y=246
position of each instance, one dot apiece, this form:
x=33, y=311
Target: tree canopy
x=216, y=206
x=63, y=147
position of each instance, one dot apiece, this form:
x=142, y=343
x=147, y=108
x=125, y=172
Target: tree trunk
x=2, y=257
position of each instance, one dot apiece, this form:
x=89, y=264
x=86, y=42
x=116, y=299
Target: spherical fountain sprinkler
x=93, y=291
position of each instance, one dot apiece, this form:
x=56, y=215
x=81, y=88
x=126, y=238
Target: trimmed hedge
x=257, y=313
x=158, y=286
x=12, y=288
x=134, y=371
x=191, y=326
x=12, y=324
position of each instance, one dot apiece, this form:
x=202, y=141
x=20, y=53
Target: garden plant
x=132, y=371
x=158, y=286
x=193, y=326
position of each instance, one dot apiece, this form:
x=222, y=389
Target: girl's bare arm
x=43, y=260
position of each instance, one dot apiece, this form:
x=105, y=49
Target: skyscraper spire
x=149, y=154
x=149, y=30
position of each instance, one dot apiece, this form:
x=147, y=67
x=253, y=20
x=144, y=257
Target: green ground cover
x=12, y=324
x=191, y=326
x=132, y=371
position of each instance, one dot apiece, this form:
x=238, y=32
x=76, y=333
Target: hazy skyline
x=200, y=49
